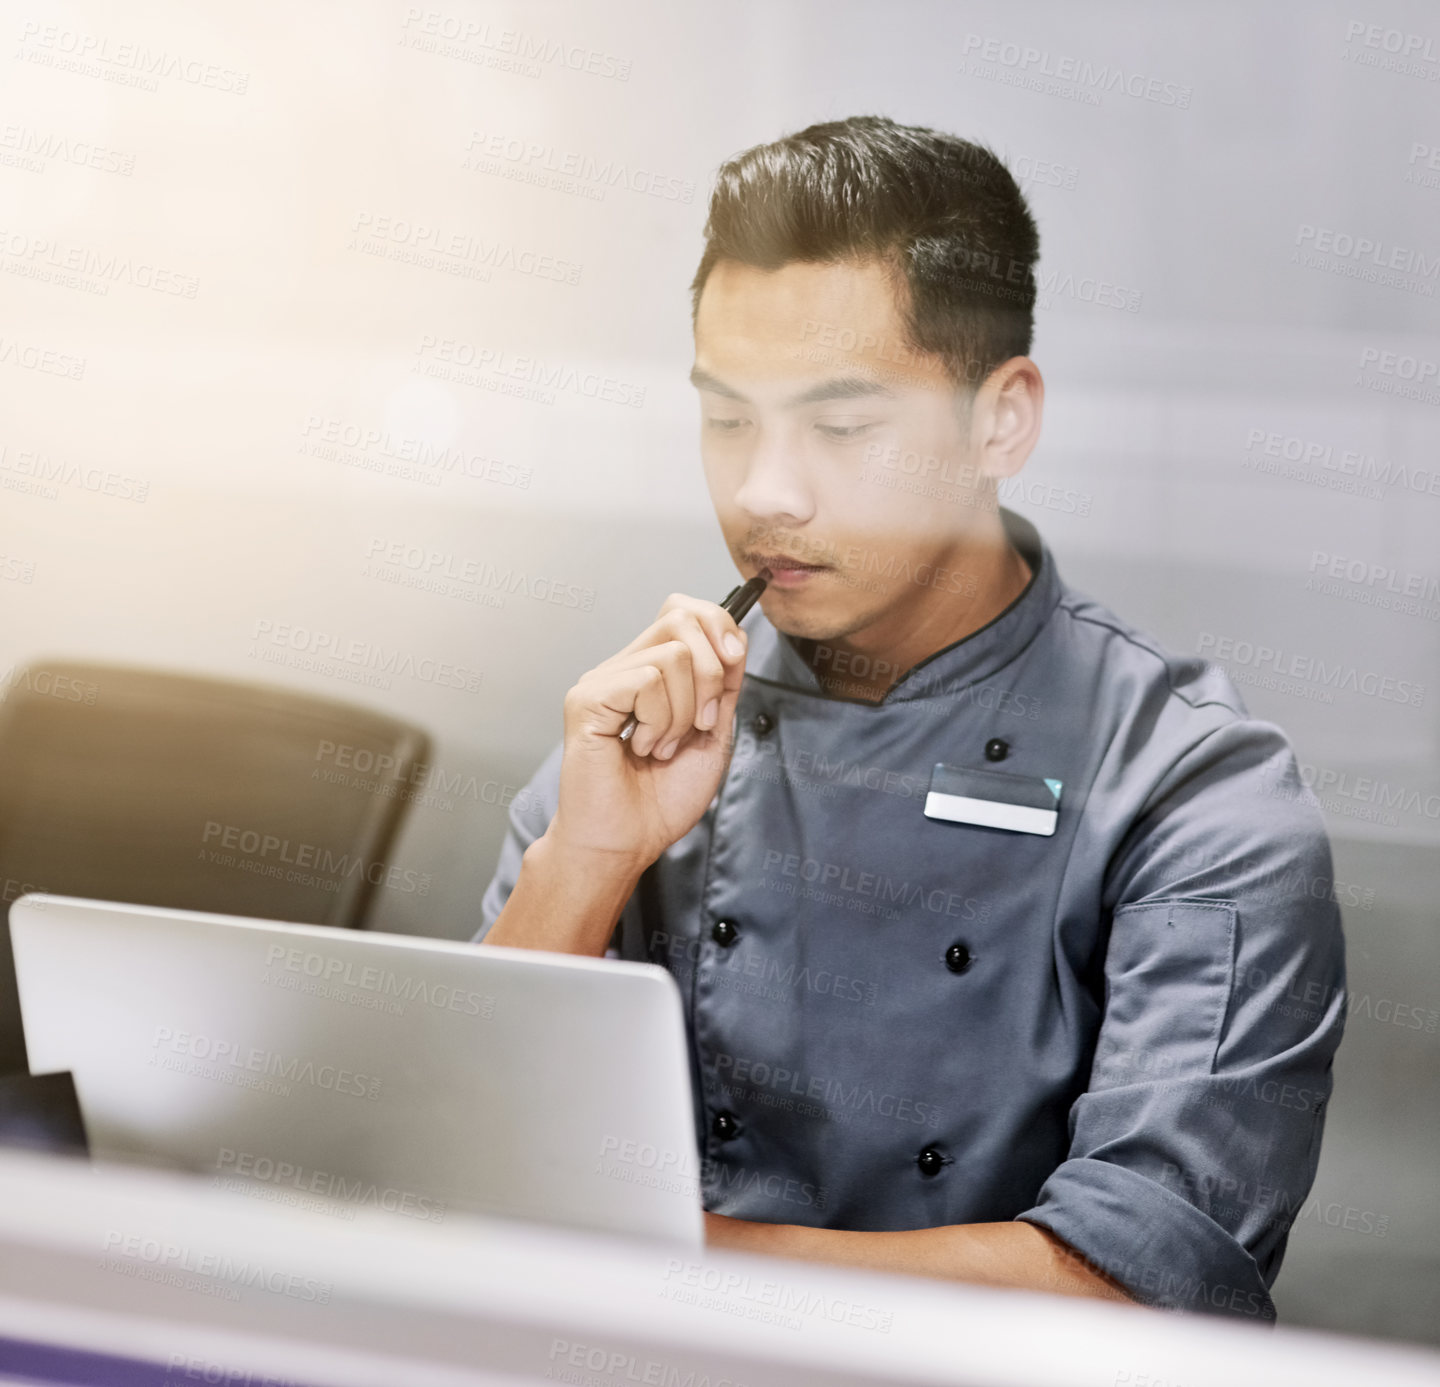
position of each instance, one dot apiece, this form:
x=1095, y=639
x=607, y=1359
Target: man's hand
x=626, y=802
x=621, y=804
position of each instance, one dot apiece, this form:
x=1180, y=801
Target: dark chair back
x=126, y=784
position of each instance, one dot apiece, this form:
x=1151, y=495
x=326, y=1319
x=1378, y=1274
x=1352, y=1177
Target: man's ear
x=1005, y=417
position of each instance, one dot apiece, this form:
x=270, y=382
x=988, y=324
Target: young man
x=1007, y=939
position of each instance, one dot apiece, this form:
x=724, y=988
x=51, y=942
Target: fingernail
x=733, y=646
x=667, y=751
x=710, y=712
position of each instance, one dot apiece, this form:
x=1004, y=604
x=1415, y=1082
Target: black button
x=930, y=1161
x=957, y=958
x=762, y=723
x=725, y=1126
x=724, y=933
x=997, y=749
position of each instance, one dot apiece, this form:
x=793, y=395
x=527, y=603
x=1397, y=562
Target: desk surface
x=208, y=1285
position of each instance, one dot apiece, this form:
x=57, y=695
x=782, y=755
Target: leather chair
x=128, y=784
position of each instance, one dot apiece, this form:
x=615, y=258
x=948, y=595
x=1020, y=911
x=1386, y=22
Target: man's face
x=829, y=444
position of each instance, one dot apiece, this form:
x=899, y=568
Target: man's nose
x=775, y=486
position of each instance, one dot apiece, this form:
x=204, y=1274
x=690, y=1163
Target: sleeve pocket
x=1168, y=974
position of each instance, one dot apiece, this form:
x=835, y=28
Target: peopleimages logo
x=1223, y=1192
x=511, y=49
x=359, y=661
x=1365, y=258
x=848, y=876
x=1266, y=661
x=783, y=1297
x=751, y=972
x=1329, y=784
x=1377, y=585
x=419, y=782
x=1067, y=74
x=29, y=356
x=29, y=148
x=48, y=684
x=1350, y=467
x=1428, y=156
x=602, y=1366
x=1399, y=374
x=678, y=1173
x=437, y=565
x=308, y=864
x=773, y=1085
x=1391, y=50
x=323, y=436
x=432, y=247
x=131, y=64
x=807, y=764
x=40, y=257
x=567, y=170
x=266, y=1171
x=229, y=1060
x=173, y=1263
x=339, y=972
x=1377, y=253
x=451, y=359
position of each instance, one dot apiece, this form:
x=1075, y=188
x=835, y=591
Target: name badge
x=992, y=799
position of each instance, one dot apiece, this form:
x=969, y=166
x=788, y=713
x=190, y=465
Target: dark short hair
x=944, y=211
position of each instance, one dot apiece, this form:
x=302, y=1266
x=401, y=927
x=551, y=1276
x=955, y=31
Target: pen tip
x=765, y=574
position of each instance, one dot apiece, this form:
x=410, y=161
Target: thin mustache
x=822, y=559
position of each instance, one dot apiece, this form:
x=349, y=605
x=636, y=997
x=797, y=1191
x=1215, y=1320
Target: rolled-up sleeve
x=1196, y=1141
x=530, y=813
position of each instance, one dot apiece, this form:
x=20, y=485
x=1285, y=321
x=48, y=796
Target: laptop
x=307, y=1065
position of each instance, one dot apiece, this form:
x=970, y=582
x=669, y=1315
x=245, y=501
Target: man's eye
x=842, y=430
x=724, y=425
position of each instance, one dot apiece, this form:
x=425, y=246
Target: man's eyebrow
x=837, y=388
x=701, y=379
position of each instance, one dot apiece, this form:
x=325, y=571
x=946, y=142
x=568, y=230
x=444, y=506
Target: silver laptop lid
x=417, y=1074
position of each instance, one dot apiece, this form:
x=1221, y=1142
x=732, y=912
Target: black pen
x=738, y=602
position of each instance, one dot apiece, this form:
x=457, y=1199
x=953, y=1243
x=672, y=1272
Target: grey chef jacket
x=1122, y=1032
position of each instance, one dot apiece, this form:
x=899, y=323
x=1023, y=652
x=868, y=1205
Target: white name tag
x=992, y=799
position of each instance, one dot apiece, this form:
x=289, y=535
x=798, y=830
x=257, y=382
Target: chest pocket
x=1168, y=975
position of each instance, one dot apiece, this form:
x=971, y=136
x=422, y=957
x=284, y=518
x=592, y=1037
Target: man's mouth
x=787, y=572
x=783, y=563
